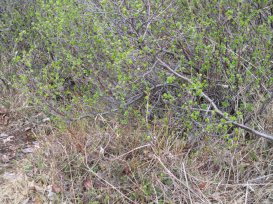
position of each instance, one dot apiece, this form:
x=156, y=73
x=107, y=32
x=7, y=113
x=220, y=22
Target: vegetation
x=141, y=101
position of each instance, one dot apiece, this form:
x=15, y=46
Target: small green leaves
x=270, y=19
x=225, y=104
x=204, y=106
x=229, y=14
x=195, y=115
x=168, y=97
x=170, y=79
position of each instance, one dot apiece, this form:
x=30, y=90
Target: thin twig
x=137, y=148
x=111, y=185
x=178, y=180
x=246, y=194
x=187, y=183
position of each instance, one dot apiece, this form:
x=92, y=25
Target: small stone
x=3, y=135
x=46, y=120
x=28, y=150
x=8, y=139
x=5, y=158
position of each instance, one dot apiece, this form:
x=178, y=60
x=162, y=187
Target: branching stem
x=215, y=107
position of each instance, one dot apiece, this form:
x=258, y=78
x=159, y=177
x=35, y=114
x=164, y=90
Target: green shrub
x=89, y=57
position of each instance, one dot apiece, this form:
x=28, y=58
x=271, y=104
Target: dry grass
x=13, y=188
x=102, y=161
x=105, y=162
x=18, y=121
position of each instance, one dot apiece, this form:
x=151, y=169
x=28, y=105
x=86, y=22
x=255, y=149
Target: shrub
x=82, y=58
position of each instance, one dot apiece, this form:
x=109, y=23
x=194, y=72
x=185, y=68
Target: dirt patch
x=16, y=139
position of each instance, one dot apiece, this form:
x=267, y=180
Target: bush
x=83, y=58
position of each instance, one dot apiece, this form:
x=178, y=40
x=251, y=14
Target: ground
x=90, y=163
x=17, y=142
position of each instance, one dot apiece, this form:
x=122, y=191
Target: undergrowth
x=138, y=101
x=106, y=162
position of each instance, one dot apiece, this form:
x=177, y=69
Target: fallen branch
x=216, y=109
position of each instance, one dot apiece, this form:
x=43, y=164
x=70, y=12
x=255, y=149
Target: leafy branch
x=215, y=107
